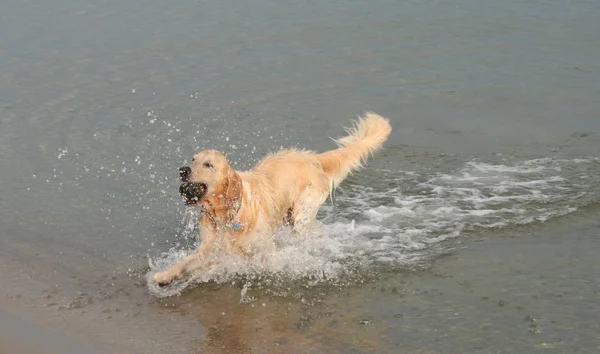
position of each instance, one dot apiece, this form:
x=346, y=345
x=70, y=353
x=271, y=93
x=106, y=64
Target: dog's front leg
x=176, y=272
x=185, y=266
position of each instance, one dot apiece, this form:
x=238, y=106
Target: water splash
x=397, y=227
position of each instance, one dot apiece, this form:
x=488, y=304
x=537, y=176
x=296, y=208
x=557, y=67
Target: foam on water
x=372, y=226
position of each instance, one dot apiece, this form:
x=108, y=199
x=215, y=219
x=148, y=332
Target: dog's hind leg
x=306, y=207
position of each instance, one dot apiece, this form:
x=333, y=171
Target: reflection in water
x=333, y=323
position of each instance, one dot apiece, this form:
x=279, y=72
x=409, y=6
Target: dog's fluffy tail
x=366, y=136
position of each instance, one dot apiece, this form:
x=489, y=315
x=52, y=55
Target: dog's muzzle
x=192, y=191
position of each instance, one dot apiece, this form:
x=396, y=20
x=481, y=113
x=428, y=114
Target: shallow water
x=496, y=124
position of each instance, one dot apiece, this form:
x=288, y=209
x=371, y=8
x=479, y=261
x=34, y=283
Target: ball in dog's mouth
x=192, y=191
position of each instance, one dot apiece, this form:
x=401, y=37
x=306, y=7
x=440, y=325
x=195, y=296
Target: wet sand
x=20, y=337
x=530, y=289
x=84, y=303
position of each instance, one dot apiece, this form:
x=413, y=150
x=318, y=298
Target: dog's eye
x=193, y=159
x=208, y=165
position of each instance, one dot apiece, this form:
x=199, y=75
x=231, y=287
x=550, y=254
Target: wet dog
x=287, y=187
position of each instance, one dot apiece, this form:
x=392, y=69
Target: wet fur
x=284, y=188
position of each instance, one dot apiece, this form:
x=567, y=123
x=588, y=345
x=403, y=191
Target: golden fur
x=286, y=187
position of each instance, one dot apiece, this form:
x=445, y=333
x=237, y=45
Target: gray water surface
x=494, y=107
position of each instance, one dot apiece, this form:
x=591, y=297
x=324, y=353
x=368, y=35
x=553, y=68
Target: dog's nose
x=184, y=173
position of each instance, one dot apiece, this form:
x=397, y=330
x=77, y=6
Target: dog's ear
x=233, y=196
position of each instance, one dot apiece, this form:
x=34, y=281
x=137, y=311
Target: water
x=494, y=107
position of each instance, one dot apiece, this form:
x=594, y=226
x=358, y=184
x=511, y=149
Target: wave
x=399, y=219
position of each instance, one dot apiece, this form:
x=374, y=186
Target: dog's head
x=209, y=175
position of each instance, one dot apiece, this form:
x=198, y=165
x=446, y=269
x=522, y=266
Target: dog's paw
x=165, y=278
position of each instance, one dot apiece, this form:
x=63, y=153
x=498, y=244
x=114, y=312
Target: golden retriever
x=287, y=187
